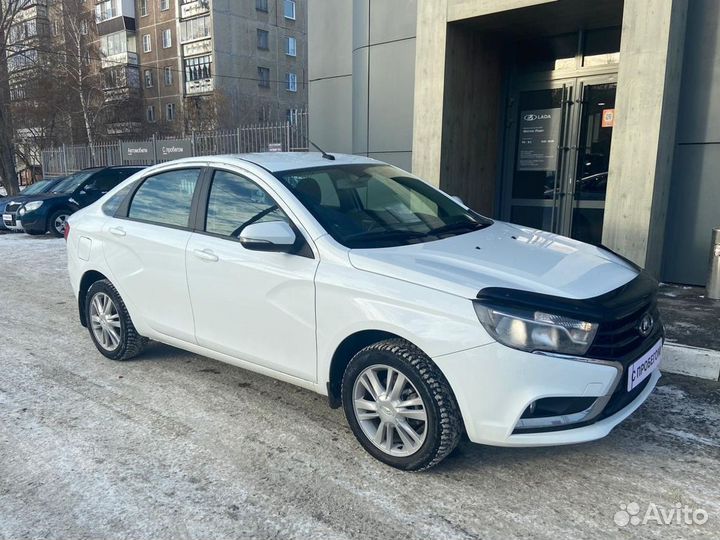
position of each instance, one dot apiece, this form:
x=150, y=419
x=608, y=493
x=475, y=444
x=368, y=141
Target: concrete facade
x=662, y=194
x=361, y=83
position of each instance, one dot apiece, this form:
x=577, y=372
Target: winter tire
x=399, y=406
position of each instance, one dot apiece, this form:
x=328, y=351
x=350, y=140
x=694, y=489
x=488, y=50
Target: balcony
x=125, y=58
x=194, y=48
x=194, y=8
x=201, y=86
x=37, y=10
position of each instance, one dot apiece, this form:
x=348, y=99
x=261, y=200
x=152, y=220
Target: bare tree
x=11, y=46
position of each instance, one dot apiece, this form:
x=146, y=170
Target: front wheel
x=56, y=223
x=400, y=406
x=109, y=323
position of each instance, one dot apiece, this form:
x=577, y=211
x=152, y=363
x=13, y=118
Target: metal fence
x=290, y=136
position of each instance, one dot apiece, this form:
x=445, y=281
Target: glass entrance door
x=558, y=169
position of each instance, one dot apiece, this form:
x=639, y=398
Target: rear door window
x=166, y=198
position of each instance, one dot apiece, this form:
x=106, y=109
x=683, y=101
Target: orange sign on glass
x=608, y=118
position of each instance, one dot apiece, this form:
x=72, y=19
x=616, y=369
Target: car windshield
x=371, y=206
x=37, y=187
x=72, y=182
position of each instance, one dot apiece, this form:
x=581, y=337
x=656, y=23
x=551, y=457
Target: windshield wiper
x=388, y=233
x=456, y=227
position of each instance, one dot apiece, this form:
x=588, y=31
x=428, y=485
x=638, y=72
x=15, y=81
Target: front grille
x=12, y=207
x=619, y=338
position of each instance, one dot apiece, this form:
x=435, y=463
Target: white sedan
x=356, y=280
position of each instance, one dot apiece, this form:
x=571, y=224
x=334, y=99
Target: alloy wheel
x=390, y=411
x=59, y=223
x=105, y=321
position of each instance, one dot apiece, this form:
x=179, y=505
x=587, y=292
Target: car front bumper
x=33, y=222
x=494, y=385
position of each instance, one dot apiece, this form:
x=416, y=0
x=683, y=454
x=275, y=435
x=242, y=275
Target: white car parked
x=352, y=278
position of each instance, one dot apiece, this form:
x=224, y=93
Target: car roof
x=285, y=161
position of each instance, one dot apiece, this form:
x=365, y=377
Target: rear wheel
x=109, y=323
x=56, y=223
x=399, y=406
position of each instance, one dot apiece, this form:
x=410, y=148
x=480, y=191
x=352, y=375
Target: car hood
x=502, y=255
x=47, y=197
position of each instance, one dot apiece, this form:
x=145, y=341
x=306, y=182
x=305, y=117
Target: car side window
x=235, y=202
x=166, y=198
x=112, y=205
x=104, y=181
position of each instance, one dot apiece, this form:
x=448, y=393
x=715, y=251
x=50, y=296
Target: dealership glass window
x=168, y=75
x=166, y=198
x=263, y=39
x=602, y=47
x=291, y=46
x=263, y=77
x=235, y=201
x=147, y=43
x=548, y=54
x=197, y=28
x=291, y=80
x=150, y=113
x=261, y=5
x=290, y=9
x=198, y=68
x=148, y=76
x=112, y=44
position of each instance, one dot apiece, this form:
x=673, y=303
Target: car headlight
x=536, y=330
x=34, y=205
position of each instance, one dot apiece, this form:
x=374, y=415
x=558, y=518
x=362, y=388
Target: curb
x=692, y=361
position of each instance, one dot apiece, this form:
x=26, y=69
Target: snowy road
x=173, y=445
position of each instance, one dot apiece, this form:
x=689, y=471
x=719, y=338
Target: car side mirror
x=270, y=236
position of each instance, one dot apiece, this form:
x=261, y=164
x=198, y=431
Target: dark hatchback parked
x=10, y=205
x=48, y=212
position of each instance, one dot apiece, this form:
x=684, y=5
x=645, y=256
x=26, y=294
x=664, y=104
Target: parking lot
x=174, y=445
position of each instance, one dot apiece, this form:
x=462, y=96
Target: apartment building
x=204, y=64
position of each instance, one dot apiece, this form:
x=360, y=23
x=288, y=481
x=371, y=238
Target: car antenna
x=325, y=155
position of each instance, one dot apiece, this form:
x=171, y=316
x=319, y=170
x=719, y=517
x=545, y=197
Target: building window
x=164, y=5
x=264, y=77
x=261, y=5
x=150, y=113
x=292, y=115
x=112, y=44
x=167, y=38
x=143, y=8
x=168, y=76
x=263, y=39
x=198, y=28
x=106, y=10
x=147, y=43
x=290, y=9
x=170, y=112
x=84, y=27
x=147, y=74
x=291, y=46
x=197, y=69
x=291, y=80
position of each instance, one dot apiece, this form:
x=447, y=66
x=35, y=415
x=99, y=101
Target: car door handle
x=117, y=231
x=206, y=255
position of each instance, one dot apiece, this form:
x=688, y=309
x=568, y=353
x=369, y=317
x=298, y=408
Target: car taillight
x=67, y=230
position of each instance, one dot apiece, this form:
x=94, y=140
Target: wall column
x=429, y=89
x=651, y=51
